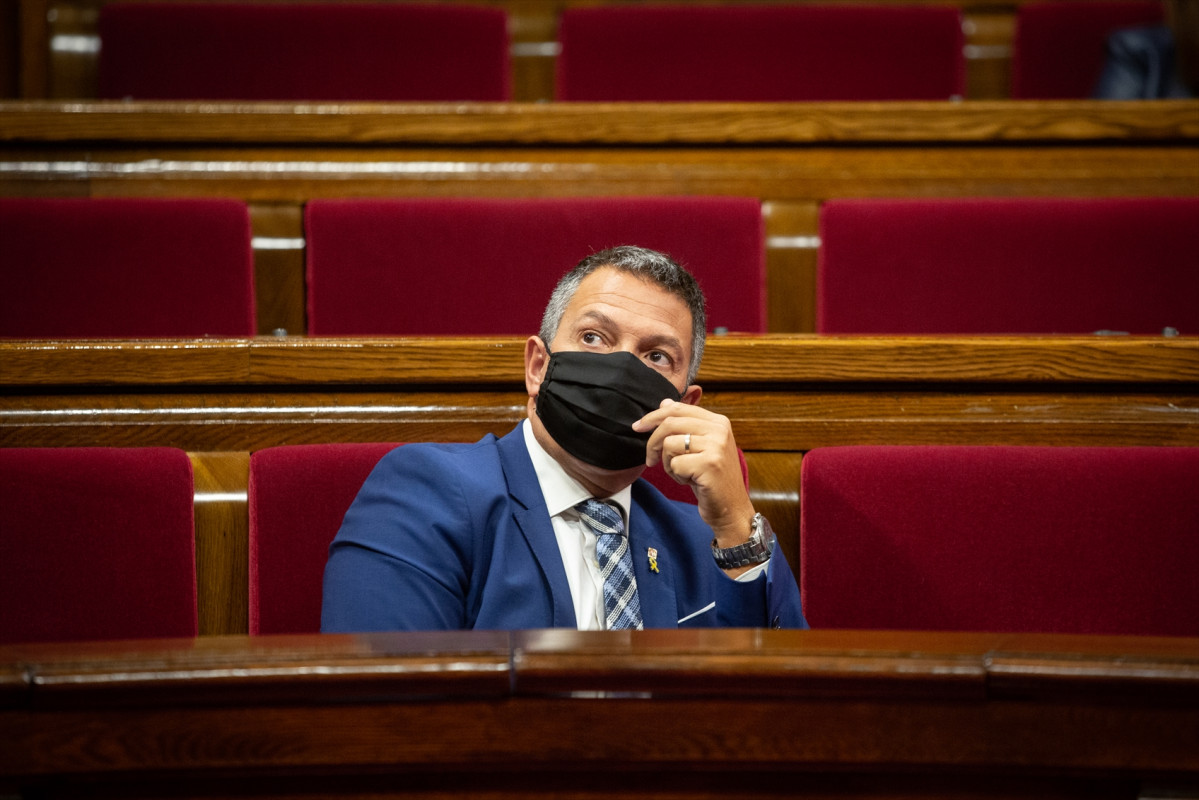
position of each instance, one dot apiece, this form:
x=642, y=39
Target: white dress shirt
x=576, y=540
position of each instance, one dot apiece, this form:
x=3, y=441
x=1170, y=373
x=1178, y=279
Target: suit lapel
x=533, y=518
x=659, y=608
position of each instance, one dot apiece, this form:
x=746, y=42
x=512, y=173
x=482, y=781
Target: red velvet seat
x=1063, y=540
x=1008, y=265
x=125, y=268
x=481, y=266
x=301, y=51
x=96, y=544
x=760, y=53
x=298, y=496
x=1058, y=48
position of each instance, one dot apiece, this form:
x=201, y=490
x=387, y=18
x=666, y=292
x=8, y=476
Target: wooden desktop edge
x=761, y=359
x=1000, y=121
x=1076, y=705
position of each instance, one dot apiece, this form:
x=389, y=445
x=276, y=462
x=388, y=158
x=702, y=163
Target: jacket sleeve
x=771, y=600
x=401, y=559
x=783, y=606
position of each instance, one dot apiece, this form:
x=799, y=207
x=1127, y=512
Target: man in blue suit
x=551, y=525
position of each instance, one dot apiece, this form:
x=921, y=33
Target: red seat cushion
x=1063, y=540
x=760, y=53
x=125, y=268
x=480, y=266
x=1008, y=265
x=298, y=495
x=299, y=51
x=96, y=543
x=1058, y=48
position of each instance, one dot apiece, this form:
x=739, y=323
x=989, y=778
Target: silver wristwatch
x=755, y=551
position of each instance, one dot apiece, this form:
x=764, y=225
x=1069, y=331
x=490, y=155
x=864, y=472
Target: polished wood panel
x=792, y=244
x=778, y=360
x=784, y=421
x=782, y=393
x=222, y=532
x=280, y=296
x=629, y=714
x=377, y=124
x=774, y=491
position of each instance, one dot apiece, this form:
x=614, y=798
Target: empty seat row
x=97, y=543
x=129, y=268
x=413, y=52
x=150, y=268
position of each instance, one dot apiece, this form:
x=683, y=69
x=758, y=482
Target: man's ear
x=537, y=359
x=692, y=395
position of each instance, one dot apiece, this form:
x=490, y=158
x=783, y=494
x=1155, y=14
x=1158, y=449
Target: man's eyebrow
x=598, y=317
x=665, y=340
x=602, y=320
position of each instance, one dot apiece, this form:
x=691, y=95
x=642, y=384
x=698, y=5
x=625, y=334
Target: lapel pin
x=652, y=552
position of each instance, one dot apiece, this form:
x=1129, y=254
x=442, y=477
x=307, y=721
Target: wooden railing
x=628, y=714
x=792, y=157
x=220, y=400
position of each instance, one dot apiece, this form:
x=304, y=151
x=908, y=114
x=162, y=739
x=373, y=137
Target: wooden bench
x=220, y=400
x=792, y=157
x=652, y=714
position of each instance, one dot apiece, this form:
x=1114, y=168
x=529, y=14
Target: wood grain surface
x=549, y=713
x=597, y=123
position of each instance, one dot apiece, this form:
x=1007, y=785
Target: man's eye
x=591, y=338
x=659, y=358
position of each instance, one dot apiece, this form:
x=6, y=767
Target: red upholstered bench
x=298, y=496
x=466, y=266
x=1008, y=265
x=760, y=53
x=303, y=51
x=125, y=268
x=1063, y=540
x=96, y=543
x=1058, y=48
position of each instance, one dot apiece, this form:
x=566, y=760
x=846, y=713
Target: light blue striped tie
x=621, y=604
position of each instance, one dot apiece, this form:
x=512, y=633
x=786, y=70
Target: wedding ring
x=686, y=443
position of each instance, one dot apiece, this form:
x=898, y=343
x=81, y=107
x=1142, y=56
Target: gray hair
x=650, y=265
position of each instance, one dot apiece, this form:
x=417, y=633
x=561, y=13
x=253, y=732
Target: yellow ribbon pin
x=653, y=558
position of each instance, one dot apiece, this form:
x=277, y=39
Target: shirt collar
x=562, y=492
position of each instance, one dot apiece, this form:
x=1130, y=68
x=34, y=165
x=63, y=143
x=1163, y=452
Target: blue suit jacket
x=457, y=536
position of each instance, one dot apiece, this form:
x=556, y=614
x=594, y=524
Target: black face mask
x=589, y=401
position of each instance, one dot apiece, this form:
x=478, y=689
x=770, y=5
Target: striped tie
x=621, y=605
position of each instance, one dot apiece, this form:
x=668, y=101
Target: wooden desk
x=566, y=714
x=783, y=393
x=791, y=156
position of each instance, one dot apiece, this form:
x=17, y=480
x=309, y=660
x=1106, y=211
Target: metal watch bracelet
x=755, y=551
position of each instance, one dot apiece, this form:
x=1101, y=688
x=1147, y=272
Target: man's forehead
x=608, y=287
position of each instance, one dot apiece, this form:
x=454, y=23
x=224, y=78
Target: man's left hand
x=696, y=447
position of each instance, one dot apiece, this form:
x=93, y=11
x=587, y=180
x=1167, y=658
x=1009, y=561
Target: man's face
x=614, y=310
